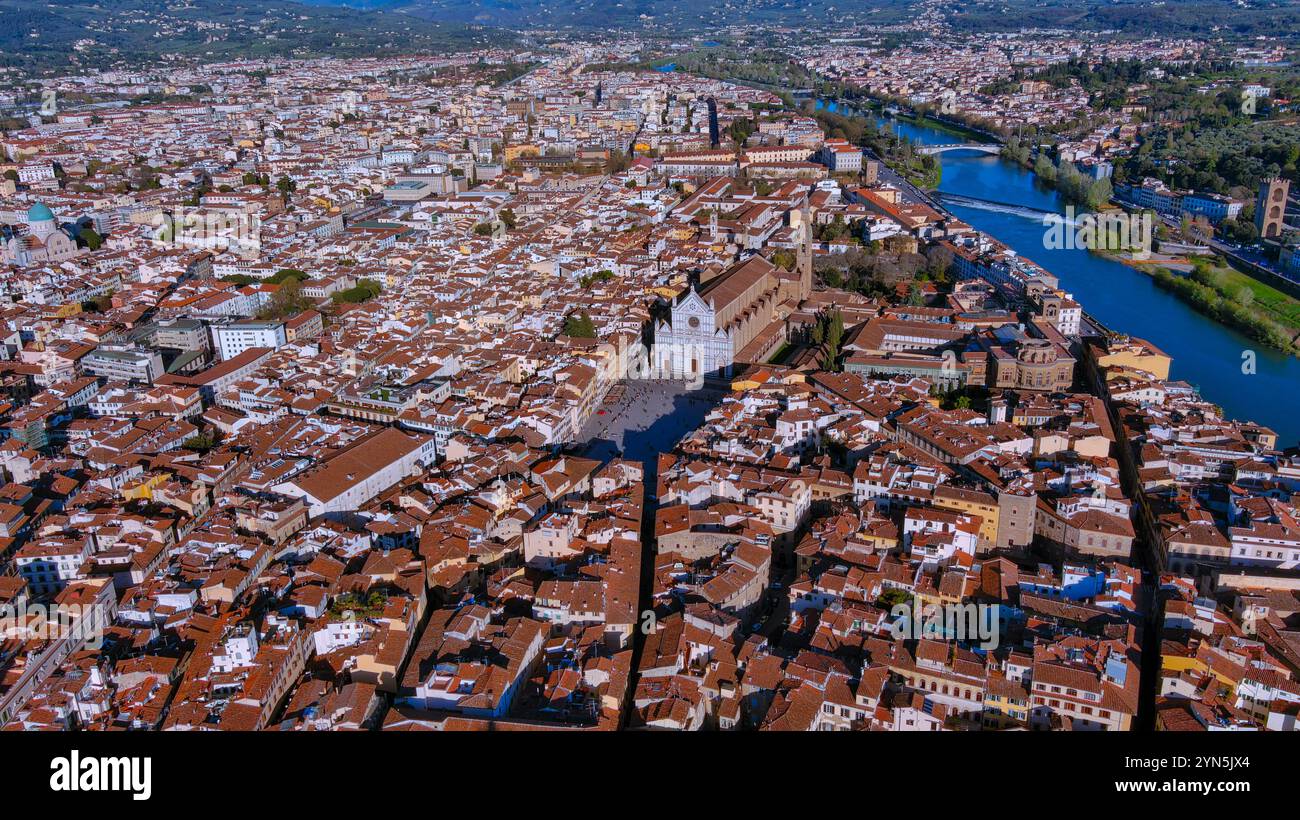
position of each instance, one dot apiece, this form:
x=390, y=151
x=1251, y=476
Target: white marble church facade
x=689, y=345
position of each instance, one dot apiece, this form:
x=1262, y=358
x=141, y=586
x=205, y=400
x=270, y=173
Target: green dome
x=40, y=213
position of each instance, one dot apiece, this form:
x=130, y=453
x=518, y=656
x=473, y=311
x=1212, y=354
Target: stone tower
x=805, y=253
x=715, y=134
x=1270, y=207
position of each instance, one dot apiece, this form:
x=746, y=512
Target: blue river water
x=1205, y=353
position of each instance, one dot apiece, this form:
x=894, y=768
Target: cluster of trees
x=875, y=271
x=970, y=397
x=128, y=34
x=363, y=291
x=285, y=274
x=771, y=68
x=287, y=301
x=90, y=238
x=784, y=258
x=1204, y=141
x=1017, y=151
x=505, y=216
x=1204, y=290
x=101, y=304
x=827, y=335
x=203, y=442
x=1184, y=18
x=1073, y=185
x=1230, y=159
x=589, y=279
x=579, y=326
x=1107, y=80
x=741, y=129
x=892, y=597
x=143, y=178
x=857, y=130
x=505, y=73
x=360, y=605
x=618, y=162
x=837, y=228
x=830, y=232
x=1241, y=230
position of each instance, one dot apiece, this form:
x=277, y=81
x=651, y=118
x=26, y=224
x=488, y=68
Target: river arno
x=1205, y=353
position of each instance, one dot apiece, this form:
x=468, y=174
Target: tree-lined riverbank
x=1206, y=353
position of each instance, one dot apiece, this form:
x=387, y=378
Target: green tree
x=784, y=258
x=203, y=442
x=579, y=326
x=893, y=596
x=364, y=290
x=284, y=274
x=90, y=238
x=1044, y=168
x=827, y=336
x=288, y=300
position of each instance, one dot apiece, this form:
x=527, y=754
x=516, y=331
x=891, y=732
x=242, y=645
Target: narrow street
x=647, y=421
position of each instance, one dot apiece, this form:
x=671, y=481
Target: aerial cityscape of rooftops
x=429, y=365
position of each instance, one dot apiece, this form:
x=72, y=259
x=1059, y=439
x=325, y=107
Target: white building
x=1265, y=544
x=841, y=157
x=358, y=474
x=234, y=338
x=690, y=346
x=49, y=567
x=934, y=536
x=339, y=634
x=123, y=363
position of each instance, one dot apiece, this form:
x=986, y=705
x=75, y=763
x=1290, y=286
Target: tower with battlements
x=1270, y=207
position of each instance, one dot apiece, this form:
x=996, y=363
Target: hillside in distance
x=43, y=36
x=1137, y=17
x=1132, y=17
x=67, y=35
x=641, y=14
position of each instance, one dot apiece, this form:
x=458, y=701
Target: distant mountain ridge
x=631, y=14
x=1130, y=16
x=52, y=35
x=62, y=35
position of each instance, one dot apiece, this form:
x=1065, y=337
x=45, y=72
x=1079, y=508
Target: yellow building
x=514, y=152
x=144, y=490
x=1137, y=354
x=65, y=311
x=1006, y=704
x=1178, y=665
x=972, y=502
